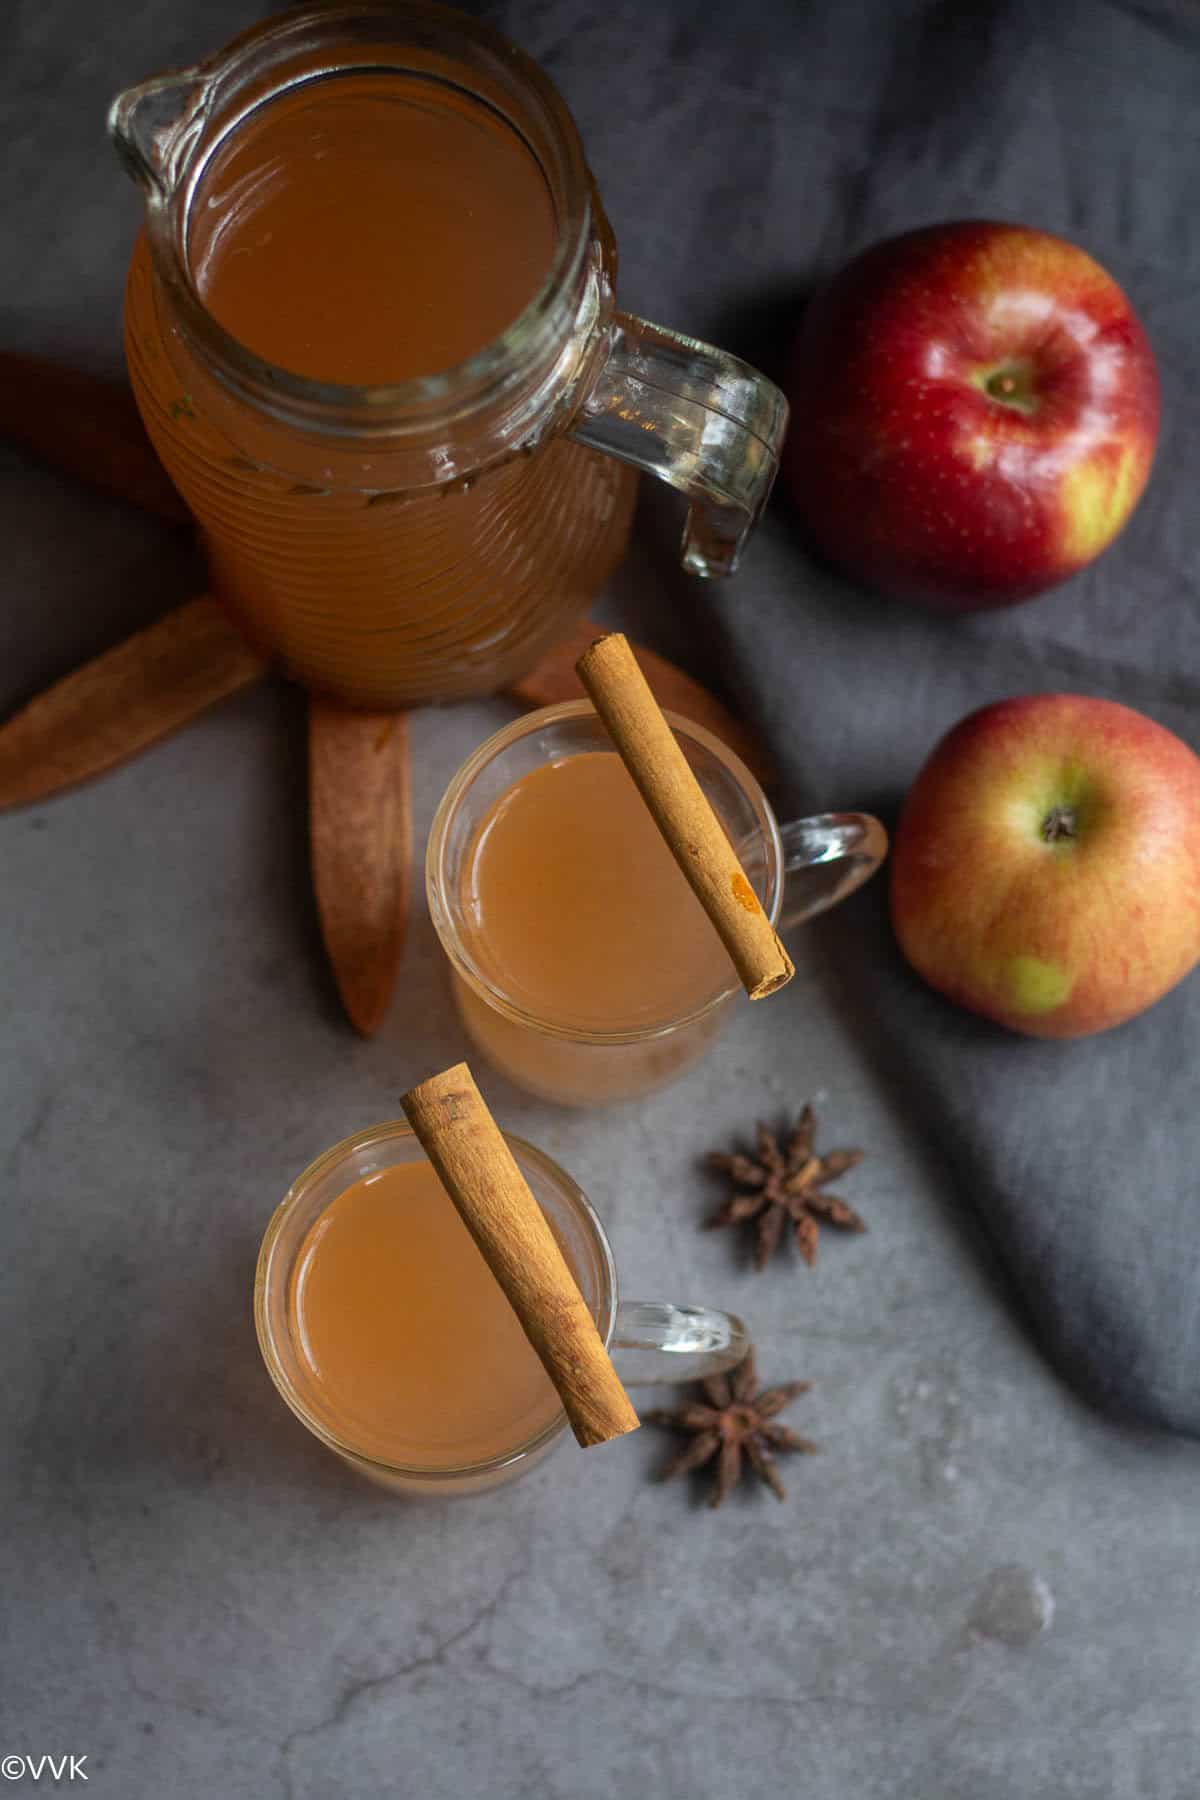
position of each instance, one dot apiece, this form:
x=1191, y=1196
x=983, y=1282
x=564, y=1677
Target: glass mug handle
x=825, y=858
x=697, y=418
x=654, y=1342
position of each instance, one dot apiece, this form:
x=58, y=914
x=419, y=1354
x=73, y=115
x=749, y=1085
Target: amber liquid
x=365, y=230
x=408, y=1350
x=574, y=908
x=371, y=230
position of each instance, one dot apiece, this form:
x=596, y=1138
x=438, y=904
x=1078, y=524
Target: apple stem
x=1059, y=824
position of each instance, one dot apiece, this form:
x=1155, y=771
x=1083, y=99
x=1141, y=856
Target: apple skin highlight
x=975, y=409
x=1045, y=871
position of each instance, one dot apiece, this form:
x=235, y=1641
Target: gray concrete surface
x=978, y=1590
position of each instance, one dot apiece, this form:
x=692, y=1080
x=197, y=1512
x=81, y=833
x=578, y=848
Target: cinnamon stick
x=481, y=1176
x=123, y=701
x=693, y=833
x=88, y=427
x=555, y=679
x=360, y=838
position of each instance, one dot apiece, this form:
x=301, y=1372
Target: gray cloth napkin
x=742, y=157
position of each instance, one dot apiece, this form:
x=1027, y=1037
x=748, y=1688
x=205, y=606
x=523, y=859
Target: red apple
x=974, y=414
x=1046, y=867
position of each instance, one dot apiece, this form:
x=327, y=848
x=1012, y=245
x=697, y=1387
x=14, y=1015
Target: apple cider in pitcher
x=372, y=328
x=362, y=233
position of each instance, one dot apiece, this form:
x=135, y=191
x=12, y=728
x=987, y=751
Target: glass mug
x=431, y=538
x=797, y=870
x=652, y=1341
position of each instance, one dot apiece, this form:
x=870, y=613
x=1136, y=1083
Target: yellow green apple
x=1046, y=867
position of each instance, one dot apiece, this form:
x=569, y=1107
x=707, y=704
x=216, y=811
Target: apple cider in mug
x=369, y=1310
x=584, y=966
x=393, y=1339
x=573, y=899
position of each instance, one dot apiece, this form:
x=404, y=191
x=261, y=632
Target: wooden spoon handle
x=555, y=679
x=122, y=702
x=360, y=825
x=87, y=427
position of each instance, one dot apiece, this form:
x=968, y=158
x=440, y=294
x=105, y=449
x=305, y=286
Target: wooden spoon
x=120, y=703
x=360, y=841
x=87, y=427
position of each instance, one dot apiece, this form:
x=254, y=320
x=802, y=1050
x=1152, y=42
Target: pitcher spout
x=152, y=124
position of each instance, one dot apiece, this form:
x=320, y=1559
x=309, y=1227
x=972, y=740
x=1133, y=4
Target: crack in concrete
x=355, y=1690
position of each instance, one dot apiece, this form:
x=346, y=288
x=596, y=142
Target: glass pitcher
x=431, y=538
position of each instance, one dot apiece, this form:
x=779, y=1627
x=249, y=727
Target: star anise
x=775, y=1185
x=734, y=1422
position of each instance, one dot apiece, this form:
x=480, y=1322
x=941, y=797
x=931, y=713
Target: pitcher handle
x=654, y=1341
x=696, y=417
